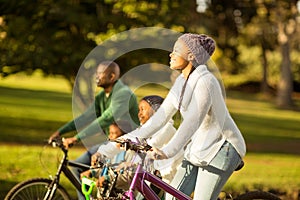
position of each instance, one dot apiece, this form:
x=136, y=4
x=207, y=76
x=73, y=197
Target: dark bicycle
x=47, y=189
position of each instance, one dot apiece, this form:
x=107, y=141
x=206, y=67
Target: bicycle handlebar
x=135, y=146
x=57, y=142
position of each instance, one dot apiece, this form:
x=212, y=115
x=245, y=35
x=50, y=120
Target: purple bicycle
x=140, y=176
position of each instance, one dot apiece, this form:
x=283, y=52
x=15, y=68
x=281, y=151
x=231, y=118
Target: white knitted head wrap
x=201, y=46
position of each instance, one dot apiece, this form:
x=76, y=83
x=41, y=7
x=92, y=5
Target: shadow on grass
x=43, y=95
x=5, y=187
x=30, y=116
x=26, y=131
x=269, y=135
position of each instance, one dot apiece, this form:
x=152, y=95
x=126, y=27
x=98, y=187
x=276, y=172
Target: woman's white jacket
x=206, y=123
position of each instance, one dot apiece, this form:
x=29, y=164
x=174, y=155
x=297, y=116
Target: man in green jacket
x=115, y=102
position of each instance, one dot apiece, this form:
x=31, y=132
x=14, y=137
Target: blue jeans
x=207, y=181
x=85, y=158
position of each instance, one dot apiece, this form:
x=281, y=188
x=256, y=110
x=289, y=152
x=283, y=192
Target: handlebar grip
x=53, y=144
x=56, y=142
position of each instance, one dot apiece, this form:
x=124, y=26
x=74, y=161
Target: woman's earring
x=191, y=57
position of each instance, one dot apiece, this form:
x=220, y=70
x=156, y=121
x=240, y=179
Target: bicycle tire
x=257, y=195
x=35, y=188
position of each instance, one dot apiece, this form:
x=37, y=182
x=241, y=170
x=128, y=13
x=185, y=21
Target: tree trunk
x=286, y=30
x=83, y=93
x=285, y=85
x=264, y=86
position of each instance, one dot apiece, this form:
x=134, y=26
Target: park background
x=44, y=43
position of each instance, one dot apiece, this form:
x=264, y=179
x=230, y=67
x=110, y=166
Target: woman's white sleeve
x=163, y=136
x=193, y=117
x=109, y=149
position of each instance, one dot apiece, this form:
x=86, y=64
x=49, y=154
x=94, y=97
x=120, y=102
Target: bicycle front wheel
x=35, y=189
x=257, y=195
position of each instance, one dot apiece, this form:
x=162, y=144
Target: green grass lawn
x=21, y=162
x=32, y=108
x=265, y=171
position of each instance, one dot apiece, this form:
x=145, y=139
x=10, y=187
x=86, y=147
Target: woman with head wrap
x=214, y=146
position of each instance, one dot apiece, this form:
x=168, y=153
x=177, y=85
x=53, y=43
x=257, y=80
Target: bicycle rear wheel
x=257, y=195
x=35, y=189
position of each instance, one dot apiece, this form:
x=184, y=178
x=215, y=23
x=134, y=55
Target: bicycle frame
x=138, y=183
x=69, y=174
x=64, y=167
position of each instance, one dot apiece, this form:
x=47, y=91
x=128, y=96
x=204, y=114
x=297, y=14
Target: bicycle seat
x=240, y=166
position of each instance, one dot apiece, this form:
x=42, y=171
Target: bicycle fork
x=51, y=190
x=54, y=184
x=130, y=193
x=140, y=185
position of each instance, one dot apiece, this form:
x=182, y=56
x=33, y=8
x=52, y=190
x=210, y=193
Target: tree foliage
x=55, y=36
x=271, y=25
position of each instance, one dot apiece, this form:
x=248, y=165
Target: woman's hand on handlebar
x=120, y=143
